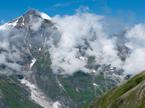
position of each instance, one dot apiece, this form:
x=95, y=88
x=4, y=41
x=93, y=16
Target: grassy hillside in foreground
x=128, y=95
x=14, y=96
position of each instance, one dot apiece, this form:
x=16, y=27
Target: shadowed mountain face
x=13, y=95
x=26, y=50
x=128, y=95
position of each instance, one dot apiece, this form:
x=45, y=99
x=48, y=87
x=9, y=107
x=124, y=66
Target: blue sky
x=125, y=9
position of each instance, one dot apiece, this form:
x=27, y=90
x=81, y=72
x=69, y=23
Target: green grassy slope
x=12, y=95
x=128, y=95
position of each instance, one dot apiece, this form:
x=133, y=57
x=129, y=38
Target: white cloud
x=85, y=30
x=136, y=62
x=137, y=32
x=35, y=23
x=85, y=26
x=136, y=41
x=84, y=35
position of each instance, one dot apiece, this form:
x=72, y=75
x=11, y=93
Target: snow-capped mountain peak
x=32, y=19
x=34, y=12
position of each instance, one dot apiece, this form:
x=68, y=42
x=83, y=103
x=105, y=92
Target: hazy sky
x=127, y=9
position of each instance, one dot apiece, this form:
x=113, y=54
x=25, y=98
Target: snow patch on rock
x=32, y=62
x=56, y=104
x=45, y=16
x=36, y=95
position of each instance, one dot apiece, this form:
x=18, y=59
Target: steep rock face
x=128, y=95
x=22, y=39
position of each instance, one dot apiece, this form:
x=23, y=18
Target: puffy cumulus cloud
x=9, y=54
x=4, y=44
x=136, y=42
x=136, y=62
x=82, y=36
x=137, y=32
x=35, y=23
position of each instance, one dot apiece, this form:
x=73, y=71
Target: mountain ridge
x=127, y=95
